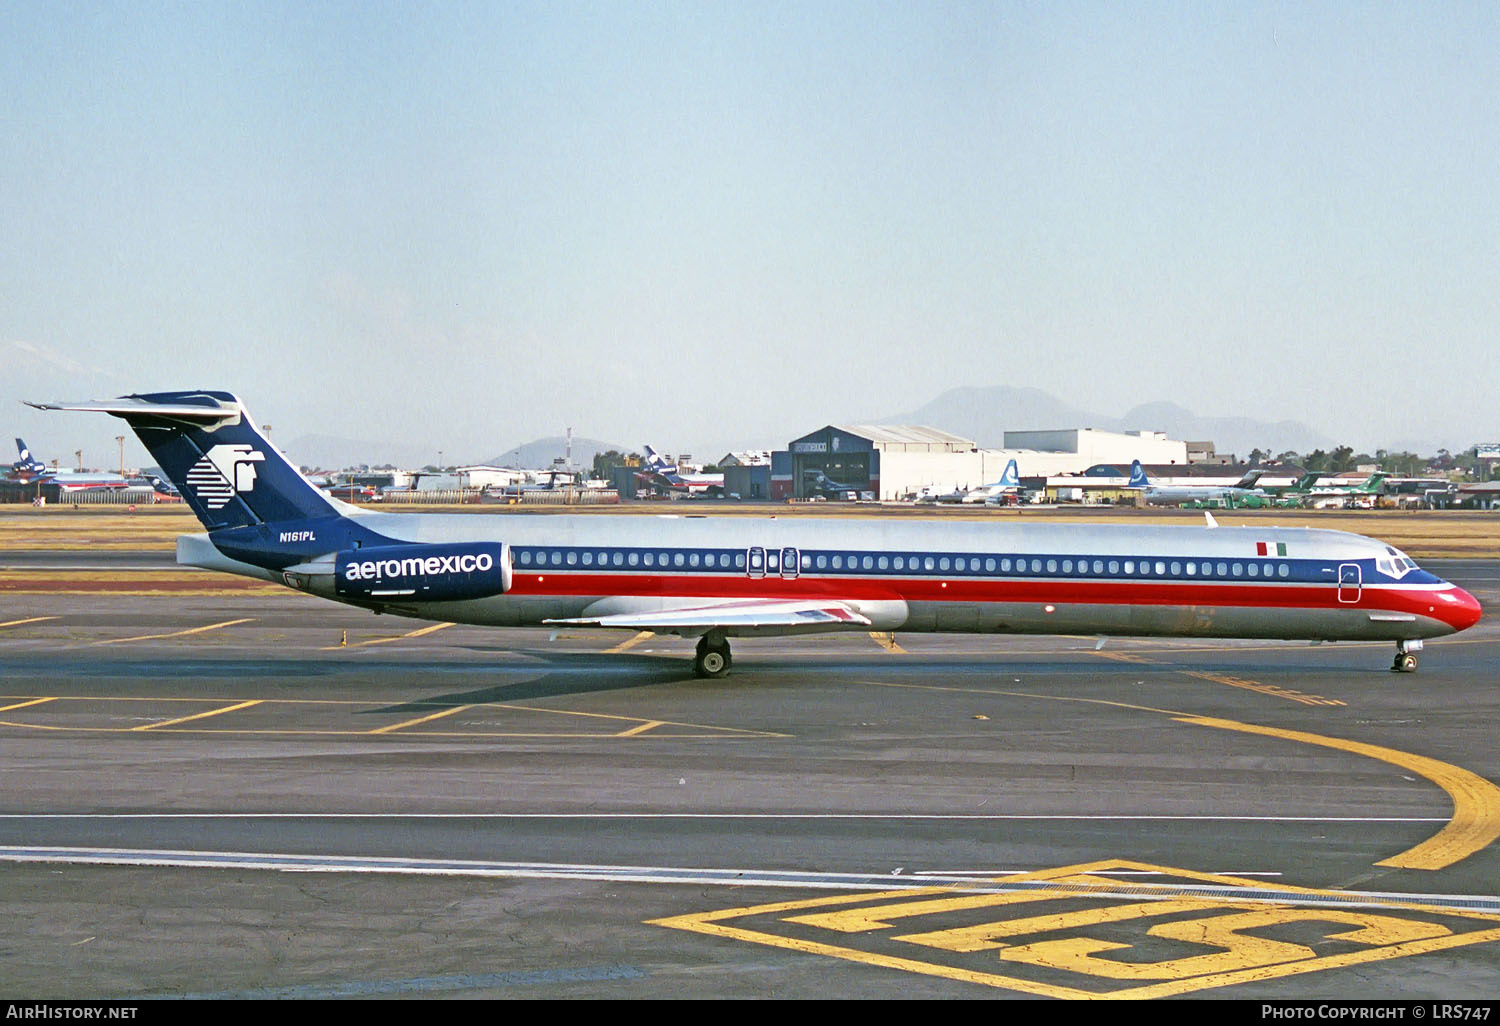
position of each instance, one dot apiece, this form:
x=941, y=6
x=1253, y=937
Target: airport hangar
x=894, y=462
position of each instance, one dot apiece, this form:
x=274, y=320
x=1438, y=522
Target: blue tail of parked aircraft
x=1012, y=477
x=214, y=454
x=655, y=462
x=1138, y=477
x=27, y=464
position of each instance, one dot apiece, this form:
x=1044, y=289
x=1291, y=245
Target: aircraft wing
x=750, y=616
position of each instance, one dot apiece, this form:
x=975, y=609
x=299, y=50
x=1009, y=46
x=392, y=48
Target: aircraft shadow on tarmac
x=570, y=674
x=575, y=673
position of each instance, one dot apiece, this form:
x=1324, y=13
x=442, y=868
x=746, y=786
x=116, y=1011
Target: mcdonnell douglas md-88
x=718, y=578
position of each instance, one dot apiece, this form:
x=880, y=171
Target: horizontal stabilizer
x=135, y=406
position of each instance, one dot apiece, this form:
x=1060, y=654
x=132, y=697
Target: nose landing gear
x=1406, y=657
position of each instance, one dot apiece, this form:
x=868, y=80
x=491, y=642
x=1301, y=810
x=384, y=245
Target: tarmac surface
x=260, y=794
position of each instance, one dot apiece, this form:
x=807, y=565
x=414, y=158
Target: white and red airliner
x=718, y=578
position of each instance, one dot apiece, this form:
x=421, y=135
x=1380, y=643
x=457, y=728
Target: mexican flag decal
x=1270, y=548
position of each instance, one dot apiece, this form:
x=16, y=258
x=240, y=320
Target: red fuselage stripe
x=1422, y=602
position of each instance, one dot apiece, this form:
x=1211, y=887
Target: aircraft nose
x=1458, y=609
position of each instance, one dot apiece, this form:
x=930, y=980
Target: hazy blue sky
x=716, y=224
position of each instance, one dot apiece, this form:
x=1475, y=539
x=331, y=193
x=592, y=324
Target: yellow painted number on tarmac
x=1074, y=934
x=1240, y=950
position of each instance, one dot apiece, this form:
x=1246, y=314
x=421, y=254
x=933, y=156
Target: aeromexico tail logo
x=224, y=472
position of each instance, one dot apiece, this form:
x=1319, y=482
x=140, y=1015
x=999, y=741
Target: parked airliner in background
x=1177, y=494
x=666, y=477
x=28, y=469
x=715, y=578
x=1311, y=493
x=816, y=483
x=1009, y=484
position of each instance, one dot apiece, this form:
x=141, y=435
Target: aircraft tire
x=1405, y=662
x=712, y=661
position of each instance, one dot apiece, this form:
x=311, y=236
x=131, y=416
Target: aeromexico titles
x=716, y=578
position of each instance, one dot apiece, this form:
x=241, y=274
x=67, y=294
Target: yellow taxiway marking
x=1055, y=938
x=386, y=641
x=633, y=726
x=29, y=619
x=630, y=643
x=1474, y=825
x=176, y=634
x=640, y=728
x=23, y=705
x=1291, y=694
x=421, y=719
x=1265, y=689
x=196, y=716
x=1121, y=657
x=887, y=641
x=1475, y=822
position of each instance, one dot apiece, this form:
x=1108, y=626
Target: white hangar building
x=898, y=461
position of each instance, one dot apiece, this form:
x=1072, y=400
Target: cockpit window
x=1395, y=564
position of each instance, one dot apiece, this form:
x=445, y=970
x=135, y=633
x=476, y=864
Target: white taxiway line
x=991, y=884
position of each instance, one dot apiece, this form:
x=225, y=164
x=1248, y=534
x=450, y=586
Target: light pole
x=121, y=440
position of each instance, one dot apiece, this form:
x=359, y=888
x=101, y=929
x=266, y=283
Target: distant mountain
x=985, y=414
x=33, y=366
x=330, y=452
x=539, y=454
x=1229, y=434
x=41, y=373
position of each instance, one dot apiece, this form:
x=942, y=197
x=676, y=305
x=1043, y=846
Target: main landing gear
x=712, y=658
x=1406, y=657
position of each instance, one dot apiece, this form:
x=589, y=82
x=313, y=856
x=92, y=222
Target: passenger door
x=1349, y=582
